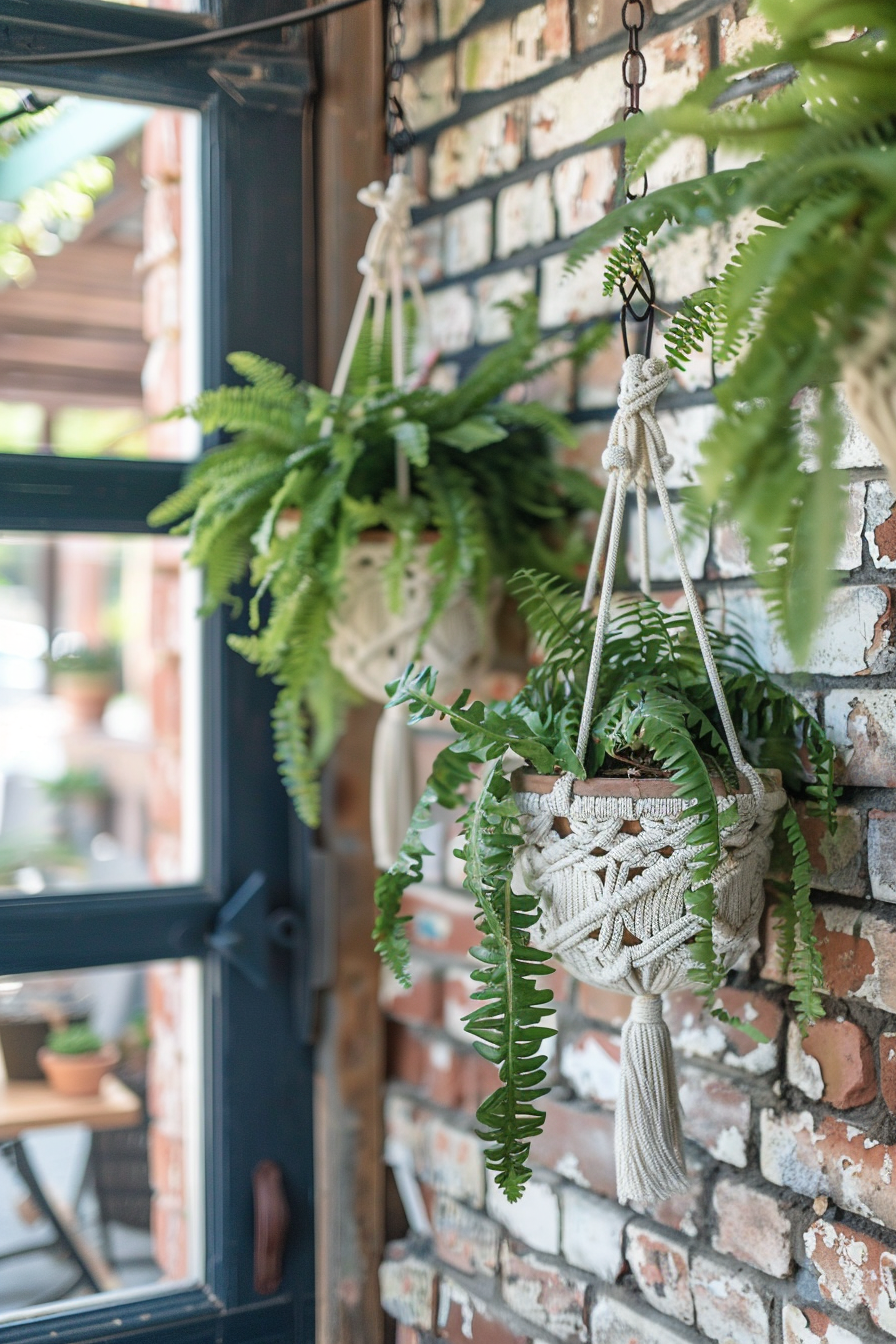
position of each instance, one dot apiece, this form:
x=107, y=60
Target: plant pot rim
x=526, y=781
x=109, y=1054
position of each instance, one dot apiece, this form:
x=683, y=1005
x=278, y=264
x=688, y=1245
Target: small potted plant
x=86, y=680
x=75, y=1060
x=634, y=853
x=349, y=576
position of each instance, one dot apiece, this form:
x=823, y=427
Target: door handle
x=271, y=1226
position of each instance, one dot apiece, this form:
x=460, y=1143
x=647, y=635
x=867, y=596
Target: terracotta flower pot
x=86, y=693
x=78, y=1075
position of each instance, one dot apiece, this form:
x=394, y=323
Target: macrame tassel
x=649, y=1151
x=392, y=793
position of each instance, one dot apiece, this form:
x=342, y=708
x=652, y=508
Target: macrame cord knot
x=387, y=244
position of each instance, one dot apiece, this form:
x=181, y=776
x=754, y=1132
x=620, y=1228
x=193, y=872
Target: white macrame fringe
x=649, y=1146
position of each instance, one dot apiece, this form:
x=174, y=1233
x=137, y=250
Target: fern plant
x=654, y=714
x=796, y=298
x=307, y=473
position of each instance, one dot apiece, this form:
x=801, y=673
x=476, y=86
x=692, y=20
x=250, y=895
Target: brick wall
x=787, y=1234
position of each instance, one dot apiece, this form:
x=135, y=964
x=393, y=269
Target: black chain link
x=399, y=136
x=637, y=288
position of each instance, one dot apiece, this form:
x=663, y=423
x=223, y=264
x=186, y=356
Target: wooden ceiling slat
x=87, y=308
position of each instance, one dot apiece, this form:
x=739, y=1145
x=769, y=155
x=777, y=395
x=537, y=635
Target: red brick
x=548, y=1295
x=422, y=1003
x=459, y=987
x=854, y=1270
x=807, y=1325
x=578, y=1144
x=161, y=301
x=161, y=378
x=167, y=1174
x=844, y=1054
x=887, y=1047
x=466, y=1240
x=408, y=1287
x=442, y=921
x=161, y=147
x=463, y=1319
x=589, y=1062
x=862, y=725
x=830, y=1157
x=406, y=1055
x=659, y=1263
x=837, y=859
x=728, y=1306
x=405, y=1334
x=605, y=1005
x=716, y=1114
x=453, y=1162
x=683, y=1211
x=695, y=1032
x=168, y=1225
x=752, y=1226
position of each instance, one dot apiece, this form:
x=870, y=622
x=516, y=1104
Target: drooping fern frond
x=799, y=950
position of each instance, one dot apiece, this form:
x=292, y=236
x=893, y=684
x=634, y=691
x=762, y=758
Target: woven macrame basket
x=610, y=860
x=372, y=644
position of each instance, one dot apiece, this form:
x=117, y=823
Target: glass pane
x=100, y=1133
x=99, y=276
x=99, y=714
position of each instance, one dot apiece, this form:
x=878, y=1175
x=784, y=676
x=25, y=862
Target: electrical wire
x=181, y=43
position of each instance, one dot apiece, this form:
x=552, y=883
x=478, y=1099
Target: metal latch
x=245, y=929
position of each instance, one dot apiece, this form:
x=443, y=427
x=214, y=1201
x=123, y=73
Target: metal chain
x=637, y=288
x=399, y=136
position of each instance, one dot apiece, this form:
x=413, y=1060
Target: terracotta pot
x=86, y=693
x=77, y=1075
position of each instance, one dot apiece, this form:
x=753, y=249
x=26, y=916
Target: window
x=157, y=216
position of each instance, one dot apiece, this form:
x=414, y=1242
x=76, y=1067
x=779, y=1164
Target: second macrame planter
x=373, y=643
x=610, y=859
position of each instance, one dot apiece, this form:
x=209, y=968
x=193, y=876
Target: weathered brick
x=592, y=1233
x=468, y=237
x=577, y=1143
x=752, y=1226
x=854, y=1270
x=830, y=1158
x=570, y=110
x=614, y=1321
x=738, y=32
x=697, y=1034
x=442, y=921
x=589, y=1062
x=514, y=49
x=454, y=15
x=421, y=1003
x=803, y=1070
x=838, y=858
x=683, y=1211
x=807, y=1325
x=485, y=146
x=458, y=987
x=882, y=854
x=604, y=1005
x=583, y=190
x=843, y=1053
x=464, y=1319
x=420, y=27
x=428, y=91
x=406, y=1334
x=663, y=560
x=684, y=430
x=553, y=387
x=534, y=1218
x=408, y=1287
x=546, y=1294
x=451, y=315
x=716, y=1114
x=572, y=297
x=492, y=292
x=453, y=1161
x=856, y=638
x=404, y=1132
x=880, y=524
x=862, y=725
x=887, y=1045
x=467, y=1240
x=525, y=215
x=729, y=1308
x=659, y=1263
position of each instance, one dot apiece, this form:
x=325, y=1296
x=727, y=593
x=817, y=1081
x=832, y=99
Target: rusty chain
x=637, y=288
x=399, y=136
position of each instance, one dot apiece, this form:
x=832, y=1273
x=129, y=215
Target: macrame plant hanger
x=612, y=879
x=371, y=643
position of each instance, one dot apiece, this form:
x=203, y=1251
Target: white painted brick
x=427, y=91
x=882, y=855
x=525, y=215
x=662, y=562
x=492, y=322
x=450, y=318
x=468, y=237
x=583, y=190
x=729, y=1308
x=593, y=1230
x=485, y=146
x=572, y=297
x=862, y=725
x=534, y=1218
x=880, y=524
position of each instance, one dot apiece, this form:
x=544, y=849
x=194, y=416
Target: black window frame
x=258, y=1062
